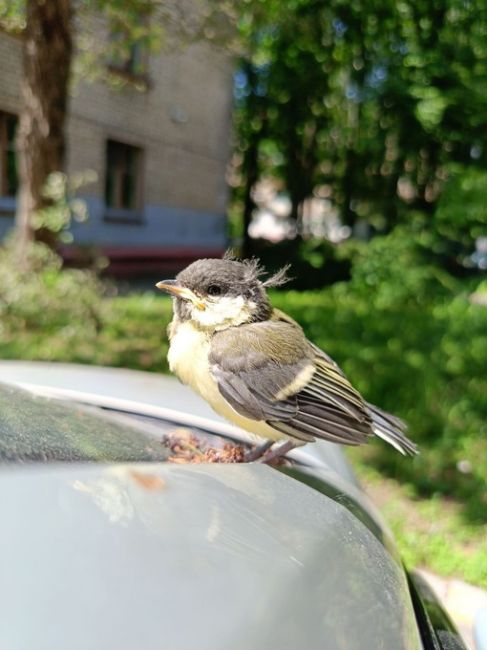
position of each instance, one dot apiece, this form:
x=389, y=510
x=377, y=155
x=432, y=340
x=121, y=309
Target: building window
x=123, y=177
x=130, y=62
x=127, y=56
x=8, y=166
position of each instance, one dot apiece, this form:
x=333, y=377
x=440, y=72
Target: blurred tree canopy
x=382, y=103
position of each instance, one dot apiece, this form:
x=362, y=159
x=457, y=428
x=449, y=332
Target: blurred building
x=159, y=153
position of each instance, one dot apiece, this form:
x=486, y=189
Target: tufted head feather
x=225, y=292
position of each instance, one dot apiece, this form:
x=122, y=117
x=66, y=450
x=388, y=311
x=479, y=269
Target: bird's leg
x=278, y=451
x=258, y=451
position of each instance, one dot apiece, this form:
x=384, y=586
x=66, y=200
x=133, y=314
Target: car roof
x=181, y=556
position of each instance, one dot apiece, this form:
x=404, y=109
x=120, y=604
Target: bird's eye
x=214, y=290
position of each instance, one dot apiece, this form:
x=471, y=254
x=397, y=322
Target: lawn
x=431, y=533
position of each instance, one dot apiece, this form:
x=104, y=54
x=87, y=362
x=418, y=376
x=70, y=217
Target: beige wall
x=181, y=122
x=10, y=72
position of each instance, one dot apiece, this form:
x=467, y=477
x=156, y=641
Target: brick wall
x=181, y=123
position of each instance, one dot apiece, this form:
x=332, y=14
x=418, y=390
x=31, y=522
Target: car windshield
x=39, y=429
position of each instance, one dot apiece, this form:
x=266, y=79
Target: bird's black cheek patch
x=182, y=308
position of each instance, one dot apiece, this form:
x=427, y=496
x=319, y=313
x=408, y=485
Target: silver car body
x=154, y=555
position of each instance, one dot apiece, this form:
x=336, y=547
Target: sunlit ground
x=431, y=533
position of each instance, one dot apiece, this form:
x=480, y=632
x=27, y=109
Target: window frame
x=6, y=147
x=133, y=65
x=118, y=212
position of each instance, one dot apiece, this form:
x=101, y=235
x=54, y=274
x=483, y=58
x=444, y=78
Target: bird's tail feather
x=391, y=429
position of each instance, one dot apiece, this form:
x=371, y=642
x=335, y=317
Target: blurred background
x=348, y=138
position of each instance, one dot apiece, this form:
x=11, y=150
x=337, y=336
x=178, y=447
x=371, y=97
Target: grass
x=132, y=336
x=430, y=533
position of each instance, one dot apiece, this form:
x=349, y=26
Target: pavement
x=461, y=600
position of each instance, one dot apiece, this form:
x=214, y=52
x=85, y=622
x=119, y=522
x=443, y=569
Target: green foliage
x=69, y=316
x=315, y=264
x=133, y=30
x=12, y=15
x=461, y=215
x=134, y=332
x=382, y=103
x=42, y=309
x=399, y=269
x=62, y=204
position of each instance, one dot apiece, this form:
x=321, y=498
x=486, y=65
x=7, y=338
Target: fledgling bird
x=255, y=367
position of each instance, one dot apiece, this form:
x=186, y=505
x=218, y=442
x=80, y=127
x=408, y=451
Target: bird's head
x=216, y=294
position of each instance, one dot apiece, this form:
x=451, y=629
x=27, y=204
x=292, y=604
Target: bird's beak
x=172, y=287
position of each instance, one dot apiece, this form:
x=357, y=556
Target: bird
x=255, y=367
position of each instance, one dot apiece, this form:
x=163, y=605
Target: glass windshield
x=38, y=429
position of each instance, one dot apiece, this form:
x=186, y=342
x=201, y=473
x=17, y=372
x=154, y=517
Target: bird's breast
x=188, y=354
x=188, y=358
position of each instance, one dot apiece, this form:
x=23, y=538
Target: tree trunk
x=251, y=176
x=47, y=52
x=255, y=109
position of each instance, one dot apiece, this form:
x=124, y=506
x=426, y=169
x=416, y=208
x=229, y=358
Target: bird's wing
x=268, y=371
x=386, y=426
x=255, y=367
